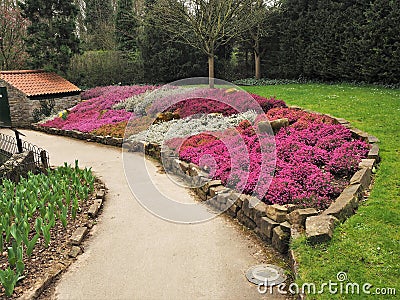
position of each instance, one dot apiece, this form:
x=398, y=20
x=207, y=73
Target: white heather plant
x=139, y=103
x=157, y=133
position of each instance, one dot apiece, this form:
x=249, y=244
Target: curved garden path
x=135, y=255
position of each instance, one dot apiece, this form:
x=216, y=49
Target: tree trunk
x=257, y=60
x=211, y=71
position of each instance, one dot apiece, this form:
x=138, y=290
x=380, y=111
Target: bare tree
x=206, y=24
x=261, y=29
x=12, y=33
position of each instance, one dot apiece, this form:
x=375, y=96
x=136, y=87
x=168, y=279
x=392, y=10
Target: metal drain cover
x=266, y=275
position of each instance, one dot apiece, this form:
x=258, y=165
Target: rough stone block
x=101, y=194
x=249, y=204
x=286, y=227
x=75, y=134
x=362, y=177
x=358, y=134
x=265, y=126
x=198, y=181
x=345, y=205
x=342, y=121
x=259, y=211
x=294, y=263
x=222, y=198
x=291, y=207
x=266, y=226
x=93, y=210
x=298, y=217
x=109, y=140
x=372, y=139
x=193, y=170
x=201, y=194
x=367, y=163
x=216, y=190
x=75, y=251
x=210, y=184
x=118, y=141
x=319, y=229
x=277, y=212
x=214, y=203
x=295, y=233
x=245, y=220
x=280, y=240
x=239, y=199
x=184, y=166
x=374, y=152
x=233, y=210
x=278, y=124
x=78, y=235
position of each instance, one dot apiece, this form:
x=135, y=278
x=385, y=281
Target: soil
x=44, y=259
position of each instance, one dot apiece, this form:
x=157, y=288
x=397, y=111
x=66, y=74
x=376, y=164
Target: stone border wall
x=18, y=165
x=276, y=224
x=105, y=140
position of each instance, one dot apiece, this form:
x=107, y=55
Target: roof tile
x=38, y=82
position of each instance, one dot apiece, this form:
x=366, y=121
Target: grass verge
x=367, y=246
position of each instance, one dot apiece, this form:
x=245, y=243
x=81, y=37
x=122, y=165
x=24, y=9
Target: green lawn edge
x=367, y=246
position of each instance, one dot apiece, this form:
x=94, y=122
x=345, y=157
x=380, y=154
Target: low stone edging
x=105, y=140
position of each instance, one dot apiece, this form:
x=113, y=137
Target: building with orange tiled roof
x=24, y=92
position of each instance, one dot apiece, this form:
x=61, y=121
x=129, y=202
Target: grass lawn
x=367, y=246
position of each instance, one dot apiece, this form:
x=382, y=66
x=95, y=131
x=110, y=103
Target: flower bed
x=206, y=101
x=106, y=110
x=313, y=163
x=315, y=157
x=97, y=110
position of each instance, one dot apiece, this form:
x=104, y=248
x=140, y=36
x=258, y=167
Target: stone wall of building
x=16, y=100
x=22, y=107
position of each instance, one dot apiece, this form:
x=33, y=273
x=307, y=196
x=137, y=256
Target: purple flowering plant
x=97, y=110
x=313, y=163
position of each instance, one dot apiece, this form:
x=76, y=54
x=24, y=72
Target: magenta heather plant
x=345, y=159
x=97, y=110
x=205, y=101
x=313, y=162
x=298, y=118
x=96, y=92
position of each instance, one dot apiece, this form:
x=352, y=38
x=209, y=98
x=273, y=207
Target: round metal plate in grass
x=267, y=275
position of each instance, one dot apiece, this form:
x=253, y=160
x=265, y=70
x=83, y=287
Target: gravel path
x=135, y=255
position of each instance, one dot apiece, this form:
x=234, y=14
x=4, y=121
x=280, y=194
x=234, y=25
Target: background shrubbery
x=127, y=42
x=335, y=40
x=101, y=68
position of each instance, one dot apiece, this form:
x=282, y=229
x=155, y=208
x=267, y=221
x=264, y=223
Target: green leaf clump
x=31, y=208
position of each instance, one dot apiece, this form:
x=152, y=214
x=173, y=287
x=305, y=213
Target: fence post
x=44, y=159
x=19, y=141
